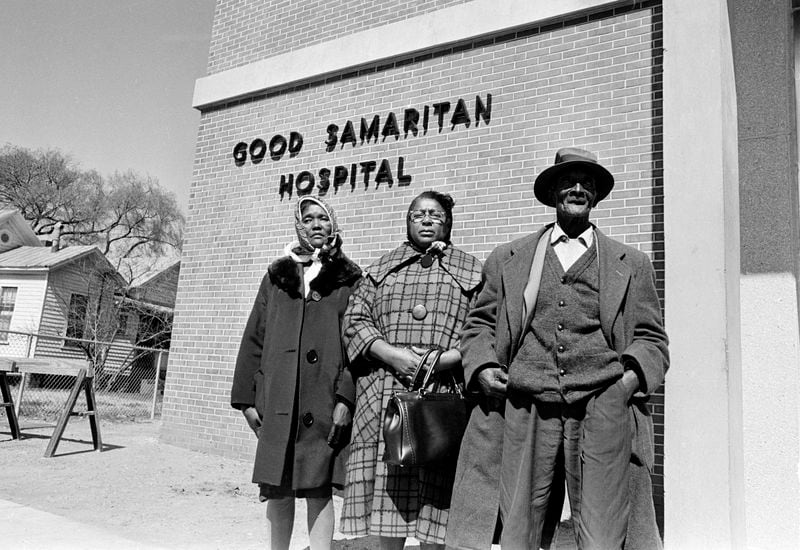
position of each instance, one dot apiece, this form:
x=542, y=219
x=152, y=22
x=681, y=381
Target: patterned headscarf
x=303, y=246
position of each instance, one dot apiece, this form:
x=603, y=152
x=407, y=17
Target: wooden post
x=65, y=413
x=155, y=386
x=23, y=379
x=8, y=404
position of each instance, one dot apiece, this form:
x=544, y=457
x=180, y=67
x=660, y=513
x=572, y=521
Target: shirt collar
x=586, y=238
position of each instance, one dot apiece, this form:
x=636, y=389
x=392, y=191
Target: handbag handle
x=415, y=375
x=437, y=354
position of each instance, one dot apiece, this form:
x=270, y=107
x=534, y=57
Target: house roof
x=41, y=258
x=154, y=276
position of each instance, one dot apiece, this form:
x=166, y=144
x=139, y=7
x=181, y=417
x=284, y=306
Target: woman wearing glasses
x=413, y=299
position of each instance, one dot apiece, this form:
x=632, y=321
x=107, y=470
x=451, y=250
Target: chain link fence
x=128, y=379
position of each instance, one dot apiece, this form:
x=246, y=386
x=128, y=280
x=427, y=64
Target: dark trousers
x=593, y=439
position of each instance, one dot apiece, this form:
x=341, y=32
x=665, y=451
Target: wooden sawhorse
x=7, y=366
x=84, y=381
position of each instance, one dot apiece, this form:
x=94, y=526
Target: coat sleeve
x=479, y=330
x=346, y=388
x=647, y=353
x=359, y=328
x=345, y=385
x=243, y=392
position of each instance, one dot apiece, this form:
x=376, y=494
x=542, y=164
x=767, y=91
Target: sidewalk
x=137, y=493
x=25, y=528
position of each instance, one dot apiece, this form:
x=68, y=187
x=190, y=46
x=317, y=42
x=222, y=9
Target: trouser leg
x=548, y=438
x=552, y=517
x=602, y=519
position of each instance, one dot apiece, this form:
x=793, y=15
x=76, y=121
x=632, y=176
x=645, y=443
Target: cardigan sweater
x=565, y=356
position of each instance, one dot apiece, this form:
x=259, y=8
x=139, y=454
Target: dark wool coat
x=630, y=316
x=292, y=368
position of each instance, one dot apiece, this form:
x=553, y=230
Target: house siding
x=161, y=289
x=31, y=288
x=64, y=282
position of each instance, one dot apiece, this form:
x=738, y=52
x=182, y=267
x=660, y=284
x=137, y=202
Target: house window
x=8, y=297
x=122, y=324
x=76, y=318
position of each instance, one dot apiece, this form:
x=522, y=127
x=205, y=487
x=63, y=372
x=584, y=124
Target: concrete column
x=703, y=471
x=763, y=56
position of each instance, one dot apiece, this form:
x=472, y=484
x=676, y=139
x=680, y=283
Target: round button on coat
x=312, y=356
x=308, y=419
x=419, y=312
x=316, y=296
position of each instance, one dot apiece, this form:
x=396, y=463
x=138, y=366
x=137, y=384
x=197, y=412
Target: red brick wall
x=592, y=82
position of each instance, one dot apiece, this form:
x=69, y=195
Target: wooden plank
x=55, y=439
x=7, y=365
x=94, y=421
x=8, y=404
x=51, y=365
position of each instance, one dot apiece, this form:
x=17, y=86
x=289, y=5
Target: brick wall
x=250, y=30
x=593, y=82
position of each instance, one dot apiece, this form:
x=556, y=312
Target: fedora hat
x=567, y=158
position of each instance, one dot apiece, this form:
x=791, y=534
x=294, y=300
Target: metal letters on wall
x=414, y=122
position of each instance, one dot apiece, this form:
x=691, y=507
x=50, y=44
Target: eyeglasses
x=436, y=216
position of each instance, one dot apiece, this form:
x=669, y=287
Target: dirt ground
x=140, y=488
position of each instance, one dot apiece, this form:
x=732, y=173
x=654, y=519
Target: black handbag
x=424, y=426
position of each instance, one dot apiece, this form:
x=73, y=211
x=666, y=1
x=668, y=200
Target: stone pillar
x=703, y=471
x=765, y=88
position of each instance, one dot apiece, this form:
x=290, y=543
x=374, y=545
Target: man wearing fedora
x=563, y=347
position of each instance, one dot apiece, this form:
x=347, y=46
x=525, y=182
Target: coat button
x=561, y=303
x=419, y=312
x=312, y=357
x=316, y=296
x=561, y=349
x=563, y=280
x=308, y=419
x=562, y=372
x=559, y=326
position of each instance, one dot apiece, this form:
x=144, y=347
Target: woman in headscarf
x=413, y=299
x=291, y=379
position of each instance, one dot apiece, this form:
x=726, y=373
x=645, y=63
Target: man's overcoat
x=291, y=367
x=631, y=321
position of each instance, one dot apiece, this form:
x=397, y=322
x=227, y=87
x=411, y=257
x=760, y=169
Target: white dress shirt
x=569, y=250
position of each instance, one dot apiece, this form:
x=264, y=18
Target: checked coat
x=382, y=499
x=630, y=317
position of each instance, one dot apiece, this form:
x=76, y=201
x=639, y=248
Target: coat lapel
x=614, y=278
x=515, y=276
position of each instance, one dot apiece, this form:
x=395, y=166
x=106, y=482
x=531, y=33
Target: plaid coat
x=381, y=499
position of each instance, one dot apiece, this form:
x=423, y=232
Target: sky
x=108, y=82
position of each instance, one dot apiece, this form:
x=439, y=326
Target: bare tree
x=130, y=217
x=135, y=223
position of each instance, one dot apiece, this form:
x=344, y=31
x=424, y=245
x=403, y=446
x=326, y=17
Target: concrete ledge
x=431, y=31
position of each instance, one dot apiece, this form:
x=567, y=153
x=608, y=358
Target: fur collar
x=339, y=271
